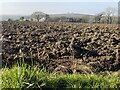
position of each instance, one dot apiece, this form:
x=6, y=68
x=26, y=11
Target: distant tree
x=31, y=19
x=106, y=16
x=109, y=14
x=47, y=17
x=37, y=16
x=10, y=19
x=98, y=18
x=85, y=19
x=71, y=19
x=40, y=15
x=22, y=18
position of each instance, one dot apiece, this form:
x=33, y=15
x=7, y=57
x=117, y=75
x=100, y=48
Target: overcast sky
x=19, y=7
x=59, y=0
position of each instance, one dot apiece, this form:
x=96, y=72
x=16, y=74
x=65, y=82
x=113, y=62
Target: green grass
x=26, y=76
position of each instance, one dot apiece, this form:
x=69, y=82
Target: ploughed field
x=62, y=47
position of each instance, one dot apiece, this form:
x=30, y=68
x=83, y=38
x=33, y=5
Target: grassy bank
x=25, y=76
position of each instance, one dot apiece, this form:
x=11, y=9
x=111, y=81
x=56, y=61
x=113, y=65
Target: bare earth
x=62, y=47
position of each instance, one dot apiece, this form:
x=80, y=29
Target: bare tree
x=106, y=16
x=47, y=17
x=36, y=15
x=98, y=17
x=109, y=15
x=39, y=15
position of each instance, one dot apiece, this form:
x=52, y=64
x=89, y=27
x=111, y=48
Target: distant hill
x=70, y=15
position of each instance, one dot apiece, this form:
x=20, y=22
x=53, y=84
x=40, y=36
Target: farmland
x=62, y=44
x=62, y=48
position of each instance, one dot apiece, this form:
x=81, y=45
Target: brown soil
x=62, y=47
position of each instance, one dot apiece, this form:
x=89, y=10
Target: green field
x=25, y=76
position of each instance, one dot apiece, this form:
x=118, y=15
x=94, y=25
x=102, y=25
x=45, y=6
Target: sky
x=59, y=0
x=25, y=7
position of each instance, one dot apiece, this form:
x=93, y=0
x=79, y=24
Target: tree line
x=107, y=17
